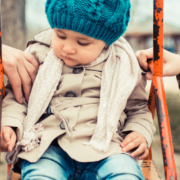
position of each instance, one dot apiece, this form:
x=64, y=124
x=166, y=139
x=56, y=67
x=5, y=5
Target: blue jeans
x=55, y=164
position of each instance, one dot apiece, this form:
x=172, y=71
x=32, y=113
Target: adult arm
x=171, y=62
x=20, y=68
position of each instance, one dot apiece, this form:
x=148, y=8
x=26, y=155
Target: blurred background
x=22, y=19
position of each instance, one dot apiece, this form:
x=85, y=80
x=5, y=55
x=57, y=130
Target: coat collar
x=44, y=38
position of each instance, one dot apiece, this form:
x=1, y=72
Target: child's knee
x=42, y=169
x=120, y=165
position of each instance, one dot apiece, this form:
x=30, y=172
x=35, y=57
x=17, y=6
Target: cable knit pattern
x=95, y=9
x=62, y=6
x=106, y=20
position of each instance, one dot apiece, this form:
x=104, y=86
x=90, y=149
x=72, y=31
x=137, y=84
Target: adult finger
x=31, y=66
x=32, y=60
x=144, y=155
x=25, y=81
x=142, y=59
x=143, y=56
x=141, y=149
x=149, y=76
x=143, y=62
x=31, y=69
x=14, y=79
x=15, y=82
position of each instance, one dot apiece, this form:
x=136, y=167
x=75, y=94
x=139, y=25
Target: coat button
x=62, y=126
x=77, y=70
x=70, y=94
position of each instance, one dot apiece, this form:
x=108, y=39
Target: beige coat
x=77, y=100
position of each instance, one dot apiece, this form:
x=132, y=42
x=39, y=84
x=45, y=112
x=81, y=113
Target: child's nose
x=68, y=49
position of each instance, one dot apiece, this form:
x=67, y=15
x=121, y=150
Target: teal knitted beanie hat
x=106, y=20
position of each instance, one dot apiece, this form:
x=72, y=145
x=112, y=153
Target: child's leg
x=116, y=167
x=54, y=164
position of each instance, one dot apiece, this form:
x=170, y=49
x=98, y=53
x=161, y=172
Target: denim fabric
x=55, y=164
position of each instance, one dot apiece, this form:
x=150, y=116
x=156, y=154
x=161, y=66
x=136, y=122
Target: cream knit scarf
x=120, y=75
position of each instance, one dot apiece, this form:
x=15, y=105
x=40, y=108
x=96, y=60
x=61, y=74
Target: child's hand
x=8, y=138
x=135, y=140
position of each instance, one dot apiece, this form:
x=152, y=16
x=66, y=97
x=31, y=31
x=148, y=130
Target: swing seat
x=149, y=170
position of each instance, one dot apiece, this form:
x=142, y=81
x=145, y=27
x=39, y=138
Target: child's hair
x=106, y=20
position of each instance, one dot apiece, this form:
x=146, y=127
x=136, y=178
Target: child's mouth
x=66, y=57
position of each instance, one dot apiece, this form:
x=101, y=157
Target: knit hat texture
x=106, y=20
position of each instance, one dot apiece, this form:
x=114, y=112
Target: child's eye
x=61, y=37
x=83, y=44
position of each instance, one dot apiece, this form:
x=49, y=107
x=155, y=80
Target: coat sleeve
x=139, y=118
x=13, y=113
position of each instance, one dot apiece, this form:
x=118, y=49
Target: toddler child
x=87, y=116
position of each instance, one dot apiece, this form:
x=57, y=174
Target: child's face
x=75, y=48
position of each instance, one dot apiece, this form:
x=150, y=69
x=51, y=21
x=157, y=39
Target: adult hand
x=171, y=62
x=21, y=69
